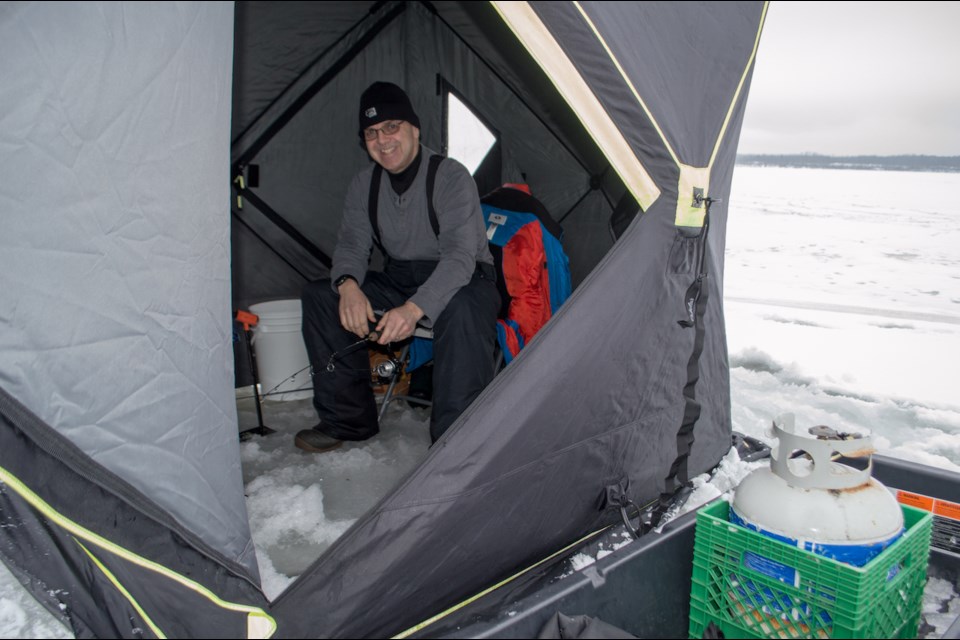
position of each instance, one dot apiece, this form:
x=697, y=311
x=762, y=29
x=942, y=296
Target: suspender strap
x=431, y=180
x=372, y=205
x=374, y=199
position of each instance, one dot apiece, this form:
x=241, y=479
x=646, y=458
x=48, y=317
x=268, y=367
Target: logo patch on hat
x=371, y=112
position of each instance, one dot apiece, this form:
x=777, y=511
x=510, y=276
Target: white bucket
x=282, y=363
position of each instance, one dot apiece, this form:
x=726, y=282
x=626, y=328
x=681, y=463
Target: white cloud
x=850, y=78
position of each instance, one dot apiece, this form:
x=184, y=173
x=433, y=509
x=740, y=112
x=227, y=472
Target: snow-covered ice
x=842, y=300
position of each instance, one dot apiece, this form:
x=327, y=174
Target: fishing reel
x=388, y=368
x=384, y=370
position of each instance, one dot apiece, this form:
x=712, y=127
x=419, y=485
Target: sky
x=851, y=78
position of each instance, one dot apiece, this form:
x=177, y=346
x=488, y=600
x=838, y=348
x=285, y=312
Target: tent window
x=467, y=138
x=470, y=138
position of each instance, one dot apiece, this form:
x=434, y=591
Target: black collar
x=402, y=181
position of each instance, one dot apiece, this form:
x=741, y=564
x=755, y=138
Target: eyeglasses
x=388, y=129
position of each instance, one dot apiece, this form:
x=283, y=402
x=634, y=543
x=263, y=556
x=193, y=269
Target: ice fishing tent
x=134, y=212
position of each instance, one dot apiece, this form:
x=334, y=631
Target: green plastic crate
x=735, y=584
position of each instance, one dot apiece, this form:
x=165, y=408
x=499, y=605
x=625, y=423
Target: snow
x=842, y=302
x=299, y=503
x=21, y=616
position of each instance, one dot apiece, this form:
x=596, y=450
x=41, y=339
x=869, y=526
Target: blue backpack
x=533, y=271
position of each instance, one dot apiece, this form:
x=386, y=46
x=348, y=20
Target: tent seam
x=743, y=78
x=623, y=74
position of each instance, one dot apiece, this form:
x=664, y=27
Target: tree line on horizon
x=883, y=163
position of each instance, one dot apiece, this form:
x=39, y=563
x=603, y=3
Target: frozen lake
x=842, y=298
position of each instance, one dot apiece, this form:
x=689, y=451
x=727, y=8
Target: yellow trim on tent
x=633, y=89
x=687, y=214
x=694, y=182
x=456, y=607
x=256, y=617
x=541, y=45
x=743, y=79
x=692, y=187
x=123, y=590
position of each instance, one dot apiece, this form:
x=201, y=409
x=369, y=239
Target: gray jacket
x=407, y=235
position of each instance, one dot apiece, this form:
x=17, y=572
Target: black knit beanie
x=385, y=101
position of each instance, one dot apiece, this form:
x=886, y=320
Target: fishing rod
x=385, y=369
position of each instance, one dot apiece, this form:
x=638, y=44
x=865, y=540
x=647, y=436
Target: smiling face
x=393, y=151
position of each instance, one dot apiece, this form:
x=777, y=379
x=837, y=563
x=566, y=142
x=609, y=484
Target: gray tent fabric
x=145, y=209
x=696, y=101
x=114, y=266
x=412, y=46
x=601, y=389
x=266, y=67
x=102, y=556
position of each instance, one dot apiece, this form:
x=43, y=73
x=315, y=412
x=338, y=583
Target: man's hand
x=356, y=314
x=398, y=323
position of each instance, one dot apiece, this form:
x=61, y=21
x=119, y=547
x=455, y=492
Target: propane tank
x=807, y=499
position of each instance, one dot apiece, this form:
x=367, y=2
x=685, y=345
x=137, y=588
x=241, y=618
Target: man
x=438, y=273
